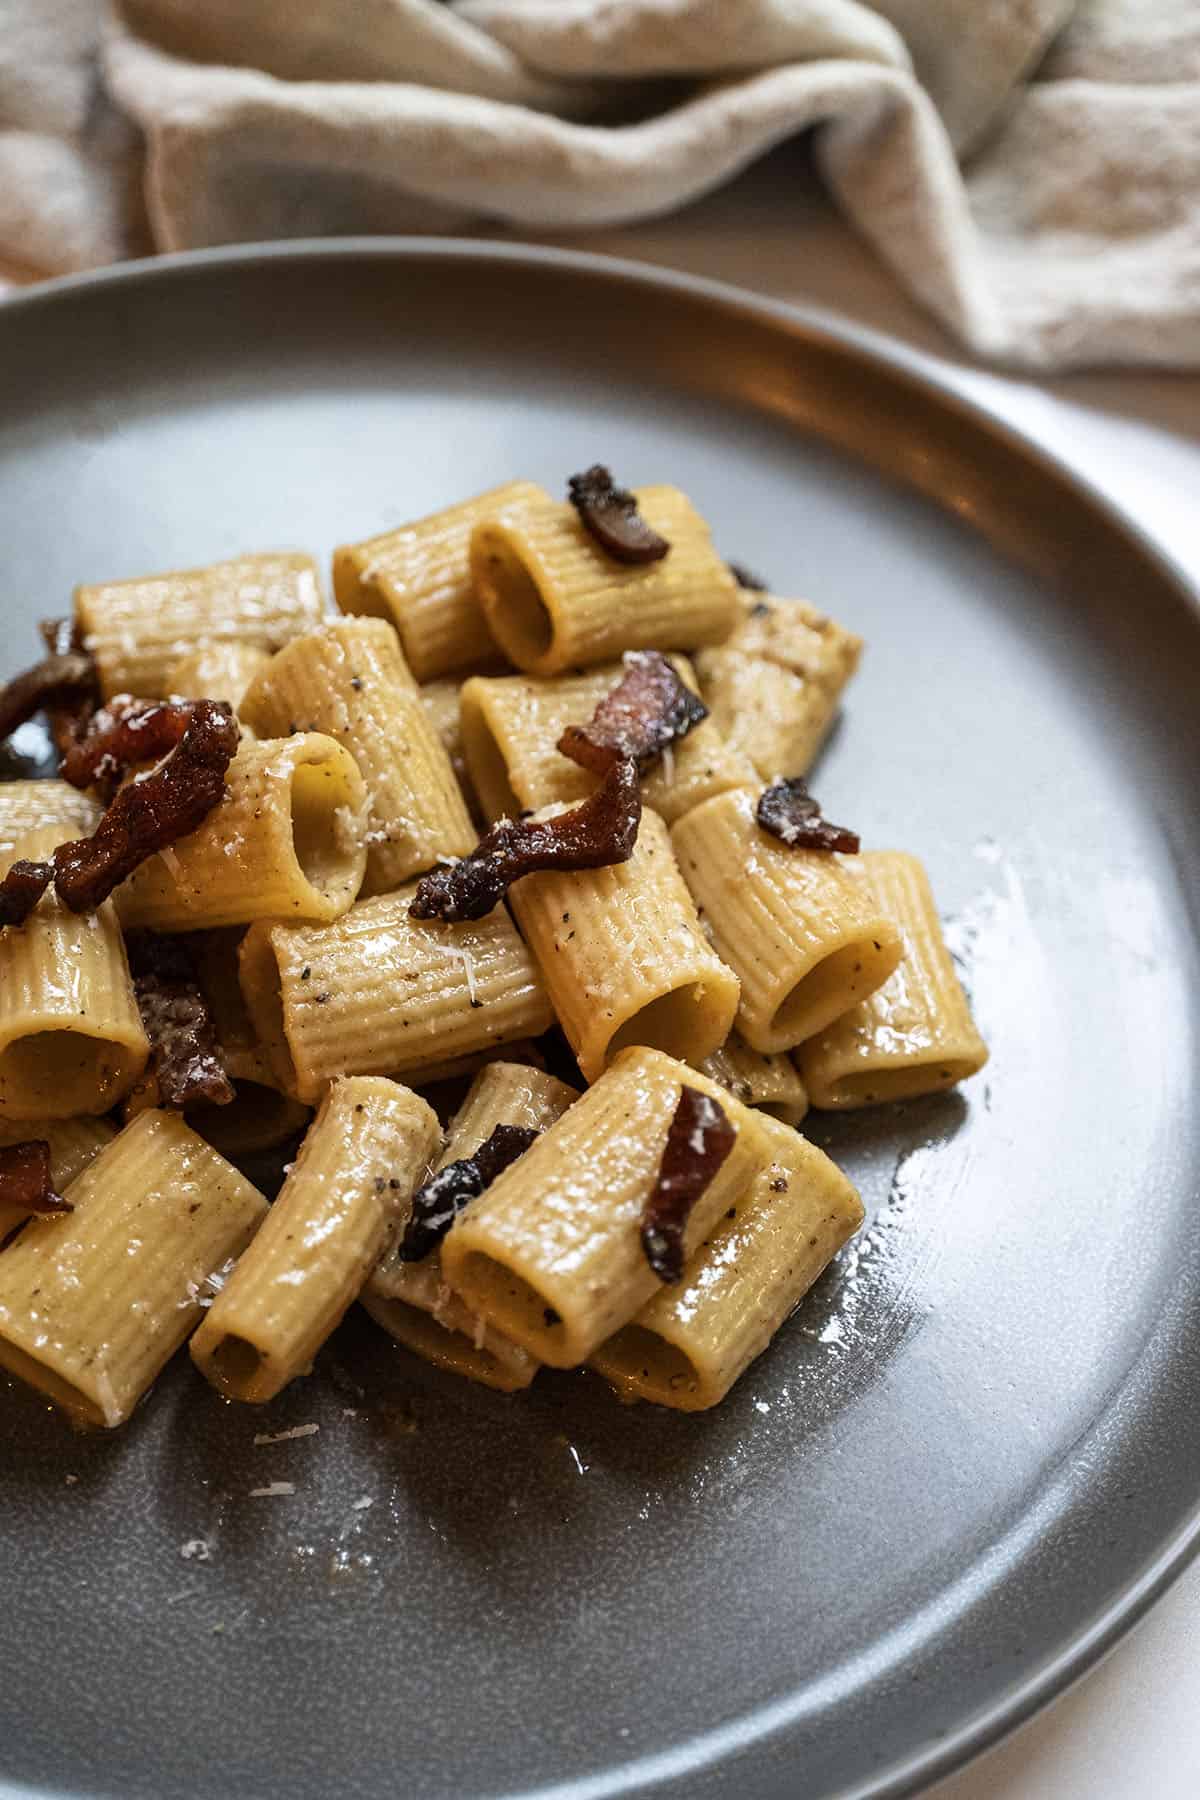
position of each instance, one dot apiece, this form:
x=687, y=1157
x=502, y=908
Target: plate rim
x=1062, y=1669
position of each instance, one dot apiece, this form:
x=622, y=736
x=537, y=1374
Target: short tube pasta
x=366, y=1151
x=623, y=957
x=379, y=992
x=350, y=681
x=511, y=725
x=219, y=671
x=411, y=1299
x=138, y=630
x=771, y=1083
x=446, y=1336
x=551, y=1254
x=95, y=1302
x=27, y=806
x=691, y=1342
x=915, y=1034
x=774, y=686
x=71, y=1037
x=553, y=599
x=804, y=937
x=794, y=635
x=440, y=700
x=418, y=578
x=74, y=1143
x=765, y=713
x=286, y=842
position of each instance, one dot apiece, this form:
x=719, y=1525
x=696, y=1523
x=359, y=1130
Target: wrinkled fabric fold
x=1029, y=169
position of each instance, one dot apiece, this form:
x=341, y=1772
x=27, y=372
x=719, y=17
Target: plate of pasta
x=535, y=1258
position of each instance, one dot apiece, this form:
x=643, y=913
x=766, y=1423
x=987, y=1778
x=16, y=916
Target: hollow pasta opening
x=234, y=1363
x=870, y=1087
x=829, y=989
x=54, y=1074
x=316, y=791
x=494, y=1363
x=679, y=1023
x=643, y=1365
x=517, y=614
x=357, y=593
x=489, y=770
x=262, y=989
x=74, y=1400
x=516, y=1308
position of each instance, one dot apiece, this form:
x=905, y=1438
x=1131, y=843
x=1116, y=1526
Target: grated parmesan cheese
x=285, y=1437
x=349, y=828
x=468, y=963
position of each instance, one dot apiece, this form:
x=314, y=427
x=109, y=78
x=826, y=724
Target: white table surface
x=1132, y=1727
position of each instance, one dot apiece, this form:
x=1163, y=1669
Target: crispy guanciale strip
x=611, y=515
x=598, y=832
x=64, y=680
x=187, y=1062
x=700, y=1138
x=25, y=1181
x=152, y=811
x=22, y=888
x=746, y=578
x=436, y=1204
x=648, y=709
x=123, y=734
x=788, y=811
x=67, y=720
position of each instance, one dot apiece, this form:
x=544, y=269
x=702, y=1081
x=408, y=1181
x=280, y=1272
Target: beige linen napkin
x=1029, y=168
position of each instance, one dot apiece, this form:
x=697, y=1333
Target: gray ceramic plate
x=972, y=1458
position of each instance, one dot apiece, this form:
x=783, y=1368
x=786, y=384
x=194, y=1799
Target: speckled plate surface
x=972, y=1457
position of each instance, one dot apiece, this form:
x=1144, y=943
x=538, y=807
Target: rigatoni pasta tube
x=350, y=681
x=380, y=992
x=440, y=1339
x=805, y=938
x=915, y=1034
x=71, y=1037
x=765, y=713
x=794, y=635
x=366, y=1151
x=551, y=1254
x=74, y=1143
x=137, y=630
x=286, y=842
x=411, y=1299
x=220, y=671
x=691, y=1342
x=95, y=1302
x=771, y=1083
x=418, y=578
x=554, y=599
x=440, y=700
x=623, y=956
x=511, y=725
x=26, y=806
